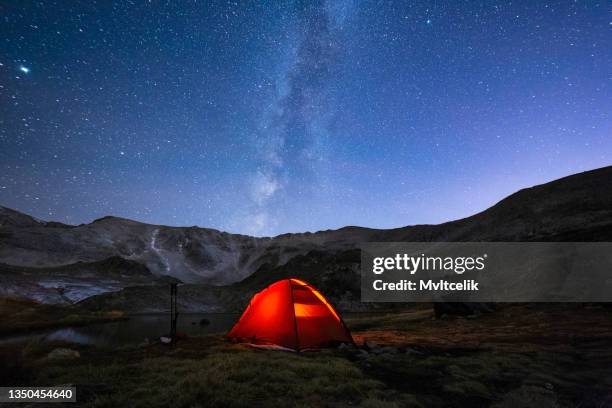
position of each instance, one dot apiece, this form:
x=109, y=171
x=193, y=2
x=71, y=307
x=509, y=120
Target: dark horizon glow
x=267, y=118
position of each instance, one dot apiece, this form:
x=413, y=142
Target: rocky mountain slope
x=72, y=283
x=35, y=252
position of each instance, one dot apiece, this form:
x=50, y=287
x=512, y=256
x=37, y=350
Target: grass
x=397, y=320
x=209, y=372
x=19, y=316
x=524, y=358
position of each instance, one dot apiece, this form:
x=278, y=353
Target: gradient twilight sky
x=272, y=117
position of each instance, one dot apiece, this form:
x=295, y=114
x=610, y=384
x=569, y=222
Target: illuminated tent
x=291, y=314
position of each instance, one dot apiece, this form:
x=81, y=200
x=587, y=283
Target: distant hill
x=574, y=208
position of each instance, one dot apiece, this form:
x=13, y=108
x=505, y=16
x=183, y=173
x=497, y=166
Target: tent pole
x=297, y=341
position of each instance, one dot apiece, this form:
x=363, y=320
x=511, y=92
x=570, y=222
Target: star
x=294, y=135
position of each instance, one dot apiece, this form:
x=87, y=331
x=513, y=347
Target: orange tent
x=291, y=314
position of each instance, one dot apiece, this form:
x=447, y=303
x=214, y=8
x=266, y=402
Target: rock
x=410, y=350
x=344, y=347
x=204, y=322
x=349, y=350
x=369, y=345
x=385, y=350
x=63, y=354
x=145, y=343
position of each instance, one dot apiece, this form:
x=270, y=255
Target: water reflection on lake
x=137, y=329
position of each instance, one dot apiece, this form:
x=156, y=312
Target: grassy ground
x=18, y=316
x=545, y=356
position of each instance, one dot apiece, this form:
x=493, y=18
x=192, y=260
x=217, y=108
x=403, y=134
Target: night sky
x=265, y=118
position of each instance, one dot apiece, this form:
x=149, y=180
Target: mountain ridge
x=601, y=172
x=576, y=207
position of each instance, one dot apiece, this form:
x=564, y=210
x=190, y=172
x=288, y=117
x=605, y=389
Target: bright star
x=23, y=69
x=428, y=21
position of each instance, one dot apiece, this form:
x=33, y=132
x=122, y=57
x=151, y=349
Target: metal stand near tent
x=173, y=312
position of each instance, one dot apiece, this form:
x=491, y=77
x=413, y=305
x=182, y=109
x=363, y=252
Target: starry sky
x=271, y=117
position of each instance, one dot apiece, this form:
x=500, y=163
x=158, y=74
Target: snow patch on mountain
x=157, y=250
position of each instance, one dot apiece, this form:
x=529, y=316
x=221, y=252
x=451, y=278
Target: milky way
x=295, y=131
x=272, y=118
